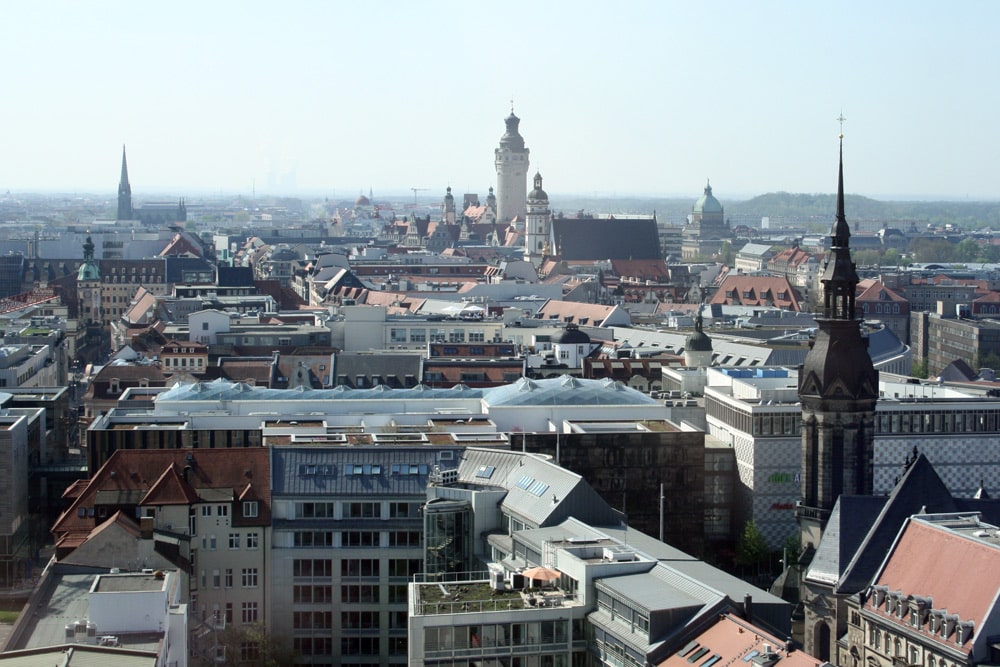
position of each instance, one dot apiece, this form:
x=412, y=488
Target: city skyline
x=645, y=99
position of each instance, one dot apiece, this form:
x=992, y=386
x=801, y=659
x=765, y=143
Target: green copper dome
x=88, y=271
x=707, y=203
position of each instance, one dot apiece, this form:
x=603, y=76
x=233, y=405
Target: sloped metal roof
x=354, y=471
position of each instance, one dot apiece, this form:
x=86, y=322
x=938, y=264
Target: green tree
x=726, y=254
x=751, y=549
x=867, y=258
x=967, y=250
x=792, y=549
x=988, y=360
x=252, y=646
x=919, y=369
x=932, y=250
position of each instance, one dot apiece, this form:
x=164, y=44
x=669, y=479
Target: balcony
x=480, y=596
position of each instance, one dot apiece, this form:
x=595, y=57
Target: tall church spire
x=840, y=279
x=838, y=390
x=124, y=192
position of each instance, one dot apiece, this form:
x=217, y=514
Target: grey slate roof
x=538, y=491
x=317, y=471
x=586, y=239
x=919, y=490
x=841, y=539
x=852, y=550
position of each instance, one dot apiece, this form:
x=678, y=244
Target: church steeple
x=840, y=278
x=838, y=390
x=124, y=192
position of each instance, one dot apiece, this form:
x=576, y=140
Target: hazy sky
x=615, y=98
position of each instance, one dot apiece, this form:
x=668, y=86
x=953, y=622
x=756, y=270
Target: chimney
x=748, y=608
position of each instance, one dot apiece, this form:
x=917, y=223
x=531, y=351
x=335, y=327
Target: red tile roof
x=961, y=574
x=733, y=639
x=876, y=290
x=757, y=291
x=157, y=477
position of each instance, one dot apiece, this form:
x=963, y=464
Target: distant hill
x=968, y=215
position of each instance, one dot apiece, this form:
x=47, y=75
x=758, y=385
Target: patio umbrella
x=541, y=574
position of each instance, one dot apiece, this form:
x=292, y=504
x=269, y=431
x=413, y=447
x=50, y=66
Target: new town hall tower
x=512, y=173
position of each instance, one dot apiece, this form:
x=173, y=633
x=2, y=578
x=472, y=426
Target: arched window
x=822, y=642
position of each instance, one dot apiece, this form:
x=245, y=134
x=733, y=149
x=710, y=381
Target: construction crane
x=415, y=191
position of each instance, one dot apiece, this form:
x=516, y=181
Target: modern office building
x=757, y=412
x=557, y=589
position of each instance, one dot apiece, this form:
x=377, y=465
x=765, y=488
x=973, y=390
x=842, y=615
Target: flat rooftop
x=65, y=601
x=129, y=583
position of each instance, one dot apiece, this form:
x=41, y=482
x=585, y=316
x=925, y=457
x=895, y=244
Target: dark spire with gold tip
x=838, y=390
x=840, y=278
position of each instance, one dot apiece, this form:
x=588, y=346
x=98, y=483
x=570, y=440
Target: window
x=313, y=538
x=359, y=620
x=250, y=509
x=307, y=567
x=403, y=510
x=249, y=651
x=229, y=579
x=216, y=579
x=358, y=567
x=312, y=594
x=234, y=540
x=206, y=510
x=363, y=510
x=249, y=577
x=249, y=612
x=322, y=510
x=359, y=538
x=252, y=540
x=360, y=593
x=223, y=510
x=404, y=567
x=404, y=538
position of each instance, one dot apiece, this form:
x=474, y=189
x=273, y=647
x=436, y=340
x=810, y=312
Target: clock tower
x=512, y=172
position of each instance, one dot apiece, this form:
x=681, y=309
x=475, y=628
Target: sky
x=615, y=98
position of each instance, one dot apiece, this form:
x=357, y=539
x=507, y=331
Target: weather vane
x=512, y=104
x=841, y=119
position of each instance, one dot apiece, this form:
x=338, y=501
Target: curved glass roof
x=566, y=390
x=221, y=390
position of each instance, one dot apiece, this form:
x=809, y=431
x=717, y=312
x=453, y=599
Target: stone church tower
x=838, y=388
x=512, y=172
x=536, y=240
x=125, y=211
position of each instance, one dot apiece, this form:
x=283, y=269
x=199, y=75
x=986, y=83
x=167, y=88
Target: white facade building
x=757, y=412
